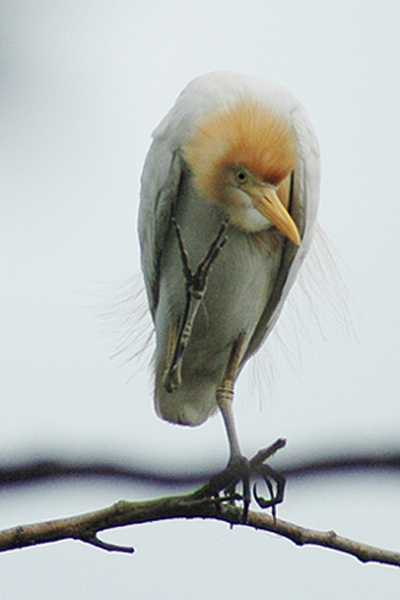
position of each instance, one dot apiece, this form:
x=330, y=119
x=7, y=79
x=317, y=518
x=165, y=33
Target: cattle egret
x=228, y=203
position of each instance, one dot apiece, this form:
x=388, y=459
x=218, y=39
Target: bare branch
x=86, y=527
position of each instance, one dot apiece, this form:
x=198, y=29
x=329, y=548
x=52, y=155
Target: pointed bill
x=269, y=205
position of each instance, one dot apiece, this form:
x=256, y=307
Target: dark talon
x=246, y=495
x=241, y=469
x=269, y=474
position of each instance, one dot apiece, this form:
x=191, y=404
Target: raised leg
x=196, y=285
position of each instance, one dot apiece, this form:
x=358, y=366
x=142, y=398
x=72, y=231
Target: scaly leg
x=196, y=285
x=239, y=468
x=225, y=393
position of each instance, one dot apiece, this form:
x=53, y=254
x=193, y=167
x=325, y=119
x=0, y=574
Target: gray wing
x=160, y=183
x=304, y=197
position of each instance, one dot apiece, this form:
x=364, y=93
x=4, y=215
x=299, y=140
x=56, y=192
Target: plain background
x=82, y=86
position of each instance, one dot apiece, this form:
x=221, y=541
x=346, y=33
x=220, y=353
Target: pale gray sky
x=82, y=86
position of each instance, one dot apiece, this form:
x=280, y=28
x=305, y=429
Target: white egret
x=228, y=203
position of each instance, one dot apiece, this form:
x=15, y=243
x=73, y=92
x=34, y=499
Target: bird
x=229, y=197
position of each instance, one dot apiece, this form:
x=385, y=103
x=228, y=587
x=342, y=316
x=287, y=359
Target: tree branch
x=86, y=527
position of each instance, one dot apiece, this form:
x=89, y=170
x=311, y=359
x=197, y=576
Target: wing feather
x=160, y=183
x=303, y=204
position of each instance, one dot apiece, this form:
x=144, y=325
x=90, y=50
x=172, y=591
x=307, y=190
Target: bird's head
x=241, y=157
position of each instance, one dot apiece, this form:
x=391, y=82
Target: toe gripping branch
x=241, y=470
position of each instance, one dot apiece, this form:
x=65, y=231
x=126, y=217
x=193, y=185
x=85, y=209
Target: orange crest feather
x=246, y=134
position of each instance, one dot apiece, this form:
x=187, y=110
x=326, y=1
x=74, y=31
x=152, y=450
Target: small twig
x=265, y=453
x=85, y=527
x=95, y=541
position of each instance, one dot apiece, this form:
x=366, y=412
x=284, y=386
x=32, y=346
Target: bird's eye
x=241, y=176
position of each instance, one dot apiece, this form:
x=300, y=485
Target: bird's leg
x=196, y=285
x=239, y=468
x=225, y=394
x=237, y=463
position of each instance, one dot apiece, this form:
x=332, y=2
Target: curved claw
x=222, y=487
x=262, y=502
x=268, y=474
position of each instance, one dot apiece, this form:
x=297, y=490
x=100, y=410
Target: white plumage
x=237, y=148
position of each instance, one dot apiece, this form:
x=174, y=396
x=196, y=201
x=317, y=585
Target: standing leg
x=240, y=469
x=225, y=393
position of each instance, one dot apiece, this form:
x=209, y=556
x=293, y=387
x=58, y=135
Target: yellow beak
x=266, y=201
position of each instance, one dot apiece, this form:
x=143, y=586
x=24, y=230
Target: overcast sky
x=82, y=86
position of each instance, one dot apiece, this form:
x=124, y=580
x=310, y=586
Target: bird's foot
x=240, y=470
